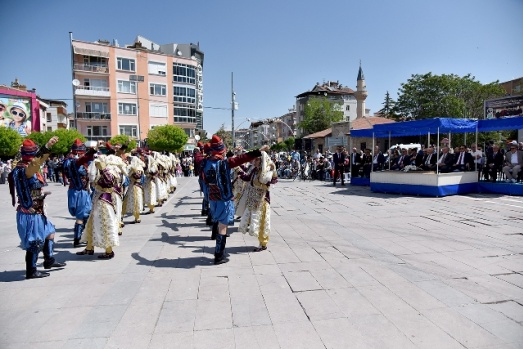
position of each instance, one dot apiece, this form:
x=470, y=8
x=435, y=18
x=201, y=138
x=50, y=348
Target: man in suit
x=355, y=163
x=339, y=162
x=493, y=164
x=378, y=160
x=513, y=163
x=446, y=160
x=463, y=160
x=402, y=161
x=429, y=160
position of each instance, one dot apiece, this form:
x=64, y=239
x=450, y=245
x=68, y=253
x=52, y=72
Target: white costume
x=134, y=198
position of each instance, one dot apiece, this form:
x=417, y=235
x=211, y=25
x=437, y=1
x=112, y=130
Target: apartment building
x=55, y=115
x=130, y=90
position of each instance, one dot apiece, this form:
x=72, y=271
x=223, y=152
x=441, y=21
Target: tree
x=123, y=139
x=167, y=138
x=66, y=139
x=388, y=110
x=320, y=113
x=289, y=143
x=226, y=136
x=429, y=96
x=10, y=141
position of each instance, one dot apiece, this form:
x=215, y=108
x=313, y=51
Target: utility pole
x=233, y=106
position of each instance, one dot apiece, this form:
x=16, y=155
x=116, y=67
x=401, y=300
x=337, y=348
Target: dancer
x=34, y=228
x=151, y=171
x=78, y=196
x=217, y=177
x=102, y=228
x=257, y=217
x=133, y=203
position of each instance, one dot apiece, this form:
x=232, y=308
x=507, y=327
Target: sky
x=276, y=49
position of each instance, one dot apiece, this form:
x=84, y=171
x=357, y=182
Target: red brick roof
x=321, y=134
x=368, y=122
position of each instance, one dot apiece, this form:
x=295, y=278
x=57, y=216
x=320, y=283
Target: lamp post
x=137, y=79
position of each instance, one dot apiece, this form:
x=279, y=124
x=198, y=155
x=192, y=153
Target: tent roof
x=515, y=123
x=418, y=127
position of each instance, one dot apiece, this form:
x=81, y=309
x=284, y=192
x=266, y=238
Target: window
x=157, y=90
x=125, y=64
x=189, y=132
x=184, y=94
x=158, y=110
x=347, y=108
x=184, y=73
x=128, y=130
x=96, y=107
x=157, y=68
x=48, y=117
x=93, y=131
x=49, y=128
x=184, y=114
x=127, y=86
x=96, y=84
x=126, y=108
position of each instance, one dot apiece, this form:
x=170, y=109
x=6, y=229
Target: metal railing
x=93, y=88
x=91, y=68
x=93, y=116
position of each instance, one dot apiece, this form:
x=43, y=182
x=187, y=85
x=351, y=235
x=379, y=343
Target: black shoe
x=220, y=260
x=77, y=243
x=259, y=249
x=54, y=265
x=37, y=275
x=106, y=255
x=85, y=252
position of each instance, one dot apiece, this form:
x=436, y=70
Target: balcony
x=104, y=69
x=93, y=91
x=93, y=116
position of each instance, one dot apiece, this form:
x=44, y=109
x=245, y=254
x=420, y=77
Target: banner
x=15, y=113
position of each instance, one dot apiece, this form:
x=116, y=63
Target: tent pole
x=437, y=156
x=388, y=151
x=373, y=151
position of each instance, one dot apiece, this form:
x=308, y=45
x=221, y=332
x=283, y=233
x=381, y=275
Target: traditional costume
x=133, y=203
x=78, y=195
x=34, y=228
x=217, y=178
x=151, y=172
x=102, y=228
x=257, y=217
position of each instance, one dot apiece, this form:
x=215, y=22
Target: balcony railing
x=93, y=116
x=92, y=91
x=92, y=68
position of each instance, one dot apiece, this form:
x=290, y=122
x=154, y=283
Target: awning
x=89, y=52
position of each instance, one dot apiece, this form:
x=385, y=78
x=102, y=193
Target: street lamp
x=243, y=122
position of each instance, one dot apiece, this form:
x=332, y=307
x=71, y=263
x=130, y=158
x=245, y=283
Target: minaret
x=361, y=94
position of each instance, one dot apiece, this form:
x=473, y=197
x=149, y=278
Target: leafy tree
x=320, y=113
x=226, y=136
x=388, y=110
x=429, y=96
x=279, y=147
x=10, y=141
x=289, y=143
x=66, y=139
x=168, y=137
x=40, y=138
x=123, y=139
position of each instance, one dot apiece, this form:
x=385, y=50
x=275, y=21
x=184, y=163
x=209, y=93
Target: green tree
x=225, y=136
x=279, y=147
x=319, y=114
x=388, y=110
x=123, y=139
x=168, y=137
x=429, y=96
x=66, y=139
x=289, y=143
x=10, y=141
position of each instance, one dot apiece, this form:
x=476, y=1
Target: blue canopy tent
x=515, y=123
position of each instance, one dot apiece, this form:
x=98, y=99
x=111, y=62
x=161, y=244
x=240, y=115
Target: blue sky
x=276, y=49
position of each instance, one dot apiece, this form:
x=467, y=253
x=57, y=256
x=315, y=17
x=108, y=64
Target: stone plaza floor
x=345, y=268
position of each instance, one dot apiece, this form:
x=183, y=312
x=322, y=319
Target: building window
x=158, y=110
x=49, y=128
x=347, y=108
x=189, y=132
x=127, y=86
x=125, y=64
x=128, y=130
x=184, y=94
x=71, y=124
x=96, y=85
x=184, y=114
x=184, y=73
x=157, y=68
x=157, y=90
x=126, y=108
x=48, y=117
x=96, y=107
x=95, y=131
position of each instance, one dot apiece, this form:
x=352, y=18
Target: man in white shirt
x=513, y=163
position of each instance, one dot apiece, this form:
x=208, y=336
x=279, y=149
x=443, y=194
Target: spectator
x=429, y=160
x=367, y=163
x=493, y=164
x=513, y=163
x=464, y=161
x=355, y=162
x=445, y=161
x=378, y=160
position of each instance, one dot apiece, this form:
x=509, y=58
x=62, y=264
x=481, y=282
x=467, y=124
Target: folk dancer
x=257, y=217
x=34, y=228
x=102, y=228
x=78, y=194
x=133, y=202
x=151, y=172
x=217, y=177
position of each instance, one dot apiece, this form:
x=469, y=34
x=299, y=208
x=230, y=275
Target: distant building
x=513, y=87
x=21, y=109
x=55, y=115
x=130, y=90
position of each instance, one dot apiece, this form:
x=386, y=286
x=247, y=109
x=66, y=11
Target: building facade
x=55, y=115
x=130, y=90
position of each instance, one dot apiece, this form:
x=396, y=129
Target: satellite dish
x=76, y=82
x=197, y=137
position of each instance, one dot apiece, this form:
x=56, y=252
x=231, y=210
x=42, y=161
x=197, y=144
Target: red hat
x=217, y=146
x=78, y=147
x=199, y=145
x=207, y=148
x=28, y=150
